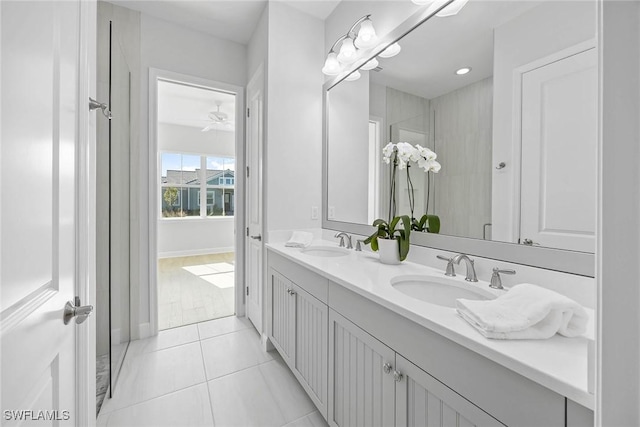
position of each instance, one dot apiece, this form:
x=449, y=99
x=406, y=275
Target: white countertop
x=559, y=363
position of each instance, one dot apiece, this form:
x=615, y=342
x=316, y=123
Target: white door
x=255, y=135
x=43, y=261
x=559, y=136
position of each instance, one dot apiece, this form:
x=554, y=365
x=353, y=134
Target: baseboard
x=193, y=252
x=144, y=330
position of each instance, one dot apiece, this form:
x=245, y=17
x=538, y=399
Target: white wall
x=542, y=31
x=618, y=234
x=348, y=150
x=174, y=48
x=186, y=139
x=258, y=47
x=293, y=160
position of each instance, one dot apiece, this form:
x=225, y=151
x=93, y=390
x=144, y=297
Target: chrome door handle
x=386, y=368
x=80, y=312
x=397, y=376
x=258, y=238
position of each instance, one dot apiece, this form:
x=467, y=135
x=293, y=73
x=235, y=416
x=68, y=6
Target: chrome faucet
x=471, y=271
x=342, y=236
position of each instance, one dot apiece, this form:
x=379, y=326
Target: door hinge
x=247, y=291
x=247, y=171
x=248, y=112
x=247, y=231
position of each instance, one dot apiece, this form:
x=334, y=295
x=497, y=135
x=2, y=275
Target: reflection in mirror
x=515, y=134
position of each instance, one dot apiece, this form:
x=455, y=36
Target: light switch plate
x=332, y=212
x=314, y=212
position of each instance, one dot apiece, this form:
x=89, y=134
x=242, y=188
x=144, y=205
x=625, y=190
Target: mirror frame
x=580, y=263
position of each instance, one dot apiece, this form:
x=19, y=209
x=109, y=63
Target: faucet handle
x=450, y=270
x=359, y=243
x=496, y=281
x=341, y=236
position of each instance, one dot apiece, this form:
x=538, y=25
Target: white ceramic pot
x=389, y=251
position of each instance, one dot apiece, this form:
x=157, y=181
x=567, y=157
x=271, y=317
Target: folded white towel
x=299, y=239
x=525, y=312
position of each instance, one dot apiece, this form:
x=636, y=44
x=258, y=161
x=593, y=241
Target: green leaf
x=434, y=224
x=404, y=246
x=392, y=226
x=374, y=244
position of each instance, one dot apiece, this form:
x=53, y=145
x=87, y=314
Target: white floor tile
x=229, y=353
x=223, y=326
x=165, y=339
x=312, y=420
x=200, y=270
x=287, y=391
x=221, y=280
x=187, y=407
x=244, y=399
x=154, y=374
x=221, y=267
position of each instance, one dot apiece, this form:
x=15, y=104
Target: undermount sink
x=325, y=251
x=439, y=290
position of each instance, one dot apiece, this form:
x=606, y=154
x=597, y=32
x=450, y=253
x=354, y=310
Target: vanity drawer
x=507, y=396
x=313, y=283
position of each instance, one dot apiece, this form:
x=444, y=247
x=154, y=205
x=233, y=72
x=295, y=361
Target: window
x=185, y=177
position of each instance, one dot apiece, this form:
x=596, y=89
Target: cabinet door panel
x=360, y=392
x=421, y=400
x=312, y=338
x=282, y=316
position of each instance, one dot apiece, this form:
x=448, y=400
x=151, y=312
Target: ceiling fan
x=216, y=118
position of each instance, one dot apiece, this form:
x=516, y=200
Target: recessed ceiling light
x=463, y=71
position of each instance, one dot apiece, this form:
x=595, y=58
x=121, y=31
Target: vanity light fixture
x=391, y=51
x=462, y=71
x=452, y=9
x=353, y=76
x=361, y=35
x=370, y=65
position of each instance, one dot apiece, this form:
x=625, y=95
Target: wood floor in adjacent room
x=195, y=289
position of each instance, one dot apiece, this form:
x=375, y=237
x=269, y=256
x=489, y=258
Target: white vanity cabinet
x=374, y=386
x=297, y=326
x=363, y=364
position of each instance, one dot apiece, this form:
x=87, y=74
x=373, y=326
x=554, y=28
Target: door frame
x=86, y=214
x=156, y=74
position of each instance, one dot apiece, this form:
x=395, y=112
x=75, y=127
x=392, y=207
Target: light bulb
x=463, y=71
x=353, y=76
x=390, y=51
x=331, y=65
x=370, y=65
x=348, y=52
x=367, y=35
x=452, y=8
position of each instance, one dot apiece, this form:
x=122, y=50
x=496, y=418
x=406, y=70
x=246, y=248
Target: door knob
x=258, y=237
x=397, y=376
x=386, y=368
x=80, y=312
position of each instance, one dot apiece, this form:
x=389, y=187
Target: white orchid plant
x=402, y=155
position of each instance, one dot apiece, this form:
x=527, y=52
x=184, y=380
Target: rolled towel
x=525, y=312
x=299, y=239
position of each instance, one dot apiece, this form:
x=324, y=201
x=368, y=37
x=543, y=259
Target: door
x=45, y=220
x=421, y=400
x=254, y=251
x=311, y=339
x=361, y=380
x=559, y=137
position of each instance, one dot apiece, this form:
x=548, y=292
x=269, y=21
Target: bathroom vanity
x=367, y=354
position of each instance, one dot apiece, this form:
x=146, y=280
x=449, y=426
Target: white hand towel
x=525, y=312
x=299, y=239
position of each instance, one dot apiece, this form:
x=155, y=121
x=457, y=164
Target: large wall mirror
x=506, y=94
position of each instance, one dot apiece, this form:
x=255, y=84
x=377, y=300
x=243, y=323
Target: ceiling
x=435, y=50
x=233, y=20
x=185, y=105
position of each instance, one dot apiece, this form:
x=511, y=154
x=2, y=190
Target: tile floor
x=195, y=289
x=211, y=373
